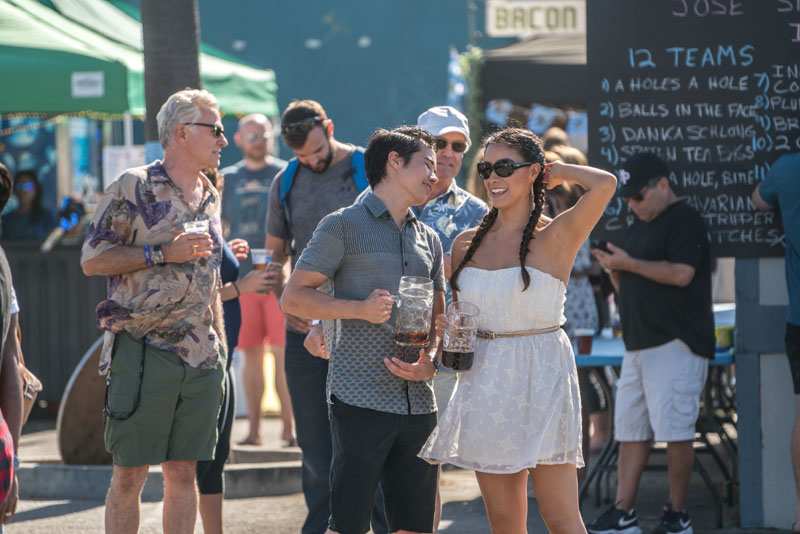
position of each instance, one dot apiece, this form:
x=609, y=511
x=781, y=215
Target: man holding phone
x=662, y=274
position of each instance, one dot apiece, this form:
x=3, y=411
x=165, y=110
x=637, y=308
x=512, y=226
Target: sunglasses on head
x=303, y=126
x=459, y=147
x=216, y=130
x=502, y=168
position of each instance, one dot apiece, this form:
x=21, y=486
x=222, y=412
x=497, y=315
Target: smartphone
x=601, y=245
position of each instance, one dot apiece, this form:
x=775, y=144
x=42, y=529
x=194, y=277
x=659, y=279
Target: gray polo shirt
x=361, y=249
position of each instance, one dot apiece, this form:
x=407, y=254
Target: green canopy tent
x=46, y=71
x=114, y=81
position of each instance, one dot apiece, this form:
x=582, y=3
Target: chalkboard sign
x=713, y=87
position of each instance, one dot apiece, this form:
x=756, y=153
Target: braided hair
x=530, y=148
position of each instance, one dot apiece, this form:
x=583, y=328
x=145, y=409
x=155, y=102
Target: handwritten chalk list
x=713, y=87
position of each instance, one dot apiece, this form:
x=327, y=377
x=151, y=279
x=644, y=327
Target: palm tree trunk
x=171, y=35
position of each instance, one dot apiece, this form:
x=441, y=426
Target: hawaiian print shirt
x=169, y=305
x=451, y=213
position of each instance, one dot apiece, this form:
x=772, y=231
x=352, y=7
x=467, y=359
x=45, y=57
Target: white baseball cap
x=440, y=120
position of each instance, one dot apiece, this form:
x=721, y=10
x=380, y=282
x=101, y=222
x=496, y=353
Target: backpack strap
x=359, y=169
x=287, y=180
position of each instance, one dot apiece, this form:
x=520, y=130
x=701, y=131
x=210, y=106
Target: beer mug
x=460, y=333
x=414, y=310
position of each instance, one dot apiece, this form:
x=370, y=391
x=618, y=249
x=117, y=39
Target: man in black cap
x=662, y=273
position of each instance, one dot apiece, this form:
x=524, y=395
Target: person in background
x=244, y=211
x=553, y=137
x=31, y=221
x=210, y=472
x=781, y=190
x=10, y=384
x=580, y=308
x=662, y=273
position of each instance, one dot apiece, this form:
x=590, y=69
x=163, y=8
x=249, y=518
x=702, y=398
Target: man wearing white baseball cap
x=450, y=210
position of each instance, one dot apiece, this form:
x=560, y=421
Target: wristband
x=148, y=256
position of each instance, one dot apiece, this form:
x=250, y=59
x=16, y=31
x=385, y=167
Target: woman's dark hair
x=37, y=209
x=6, y=185
x=405, y=140
x=530, y=148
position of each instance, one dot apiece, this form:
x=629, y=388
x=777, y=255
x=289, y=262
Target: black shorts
x=793, y=353
x=371, y=447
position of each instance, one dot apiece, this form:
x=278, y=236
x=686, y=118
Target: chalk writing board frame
x=719, y=131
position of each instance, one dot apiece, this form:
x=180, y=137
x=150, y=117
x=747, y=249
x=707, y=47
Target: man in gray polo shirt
x=322, y=182
x=382, y=408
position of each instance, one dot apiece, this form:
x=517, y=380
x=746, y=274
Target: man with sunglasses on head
x=244, y=210
x=324, y=175
x=662, y=273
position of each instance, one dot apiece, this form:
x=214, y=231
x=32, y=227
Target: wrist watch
x=158, y=255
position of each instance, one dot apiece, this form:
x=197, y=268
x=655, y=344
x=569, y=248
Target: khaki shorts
x=658, y=394
x=158, y=408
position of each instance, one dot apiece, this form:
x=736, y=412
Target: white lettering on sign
x=526, y=18
x=88, y=84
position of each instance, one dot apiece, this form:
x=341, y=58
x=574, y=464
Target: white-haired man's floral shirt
x=451, y=213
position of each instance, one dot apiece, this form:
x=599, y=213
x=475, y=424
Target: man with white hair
x=164, y=351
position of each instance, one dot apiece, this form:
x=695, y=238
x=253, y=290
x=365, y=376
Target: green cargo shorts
x=158, y=408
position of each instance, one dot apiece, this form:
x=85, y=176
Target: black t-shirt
x=654, y=314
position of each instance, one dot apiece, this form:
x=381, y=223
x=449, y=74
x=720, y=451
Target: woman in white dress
x=517, y=411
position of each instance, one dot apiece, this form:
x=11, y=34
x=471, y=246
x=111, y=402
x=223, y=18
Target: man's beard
x=324, y=164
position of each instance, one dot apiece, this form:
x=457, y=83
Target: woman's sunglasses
x=502, y=168
x=216, y=130
x=459, y=147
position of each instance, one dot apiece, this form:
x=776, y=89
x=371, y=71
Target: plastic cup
x=196, y=227
x=584, y=336
x=261, y=257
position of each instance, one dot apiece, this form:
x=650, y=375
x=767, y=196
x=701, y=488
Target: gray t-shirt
x=312, y=197
x=361, y=249
x=246, y=200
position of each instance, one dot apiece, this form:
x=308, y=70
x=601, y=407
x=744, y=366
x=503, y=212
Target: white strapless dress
x=519, y=406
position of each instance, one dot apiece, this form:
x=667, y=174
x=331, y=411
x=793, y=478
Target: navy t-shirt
x=229, y=272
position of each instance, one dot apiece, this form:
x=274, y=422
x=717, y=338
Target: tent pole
x=127, y=124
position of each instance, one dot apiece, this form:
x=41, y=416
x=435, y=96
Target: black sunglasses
x=459, y=147
x=503, y=168
x=301, y=127
x=216, y=130
x=638, y=197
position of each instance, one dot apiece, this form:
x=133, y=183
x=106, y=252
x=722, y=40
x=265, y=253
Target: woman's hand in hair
x=554, y=174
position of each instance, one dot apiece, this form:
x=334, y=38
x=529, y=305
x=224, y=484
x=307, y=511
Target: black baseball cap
x=639, y=170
